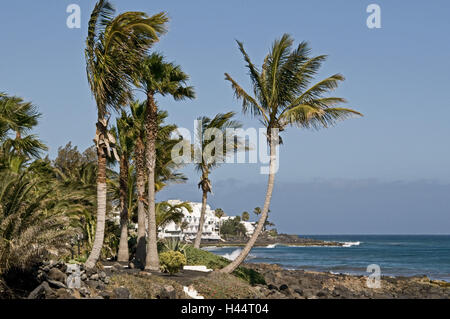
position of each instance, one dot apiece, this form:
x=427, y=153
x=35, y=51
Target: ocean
x=396, y=255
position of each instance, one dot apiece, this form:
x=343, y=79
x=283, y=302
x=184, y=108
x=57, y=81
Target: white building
x=210, y=229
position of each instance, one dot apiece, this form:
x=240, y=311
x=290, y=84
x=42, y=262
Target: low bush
x=172, y=261
x=212, y=261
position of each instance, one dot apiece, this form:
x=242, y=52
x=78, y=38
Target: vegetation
x=142, y=286
x=233, y=226
x=223, y=286
x=65, y=209
x=175, y=245
x=223, y=146
x=156, y=76
x=172, y=261
x=219, y=212
x=114, y=48
x=283, y=97
x=196, y=256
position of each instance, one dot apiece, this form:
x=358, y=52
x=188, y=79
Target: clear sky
x=398, y=76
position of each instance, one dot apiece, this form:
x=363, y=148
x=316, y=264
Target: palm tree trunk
x=198, y=239
x=265, y=212
x=101, y=209
x=152, y=259
x=140, y=185
x=123, y=254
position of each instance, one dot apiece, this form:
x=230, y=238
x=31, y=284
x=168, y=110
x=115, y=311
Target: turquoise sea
x=397, y=255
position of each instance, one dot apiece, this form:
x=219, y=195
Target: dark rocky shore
x=113, y=281
x=300, y=284
x=266, y=239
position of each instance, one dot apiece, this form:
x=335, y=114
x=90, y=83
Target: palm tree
x=34, y=218
x=114, y=47
x=125, y=148
x=164, y=166
x=157, y=77
x=19, y=117
x=138, y=116
x=245, y=216
x=167, y=212
x=219, y=212
x=283, y=97
x=227, y=145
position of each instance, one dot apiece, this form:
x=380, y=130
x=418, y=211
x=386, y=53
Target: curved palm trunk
x=123, y=254
x=265, y=212
x=140, y=185
x=152, y=259
x=101, y=210
x=198, y=239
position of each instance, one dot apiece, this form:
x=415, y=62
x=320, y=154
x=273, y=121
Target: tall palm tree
x=165, y=169
x=123, y=132
x=228, y=145
x=284, y=97
x=138, y=115
x=114, y=47
x=157, y=77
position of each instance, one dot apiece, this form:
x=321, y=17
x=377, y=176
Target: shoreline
x=265, y=240
x=306, y=284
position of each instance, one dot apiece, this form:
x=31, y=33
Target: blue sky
x=398, y=76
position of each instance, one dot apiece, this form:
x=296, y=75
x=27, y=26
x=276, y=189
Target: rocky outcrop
x=58, y=280
x=265, y=239
x=300, y=284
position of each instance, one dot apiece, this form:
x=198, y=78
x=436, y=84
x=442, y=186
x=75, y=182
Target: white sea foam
x=271, y=246
x=233, y=255
x=351, y=243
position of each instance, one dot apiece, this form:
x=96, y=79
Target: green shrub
x=172, y=261
x=172, y=244
x=201, y=257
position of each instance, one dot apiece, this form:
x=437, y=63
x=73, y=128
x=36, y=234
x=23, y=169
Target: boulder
x=105, y=295
x=84, y=292
x=121, y=293
x=272, y=287
x=299, y=291
x=94, y=284
x=56, y=284
x=167, y=292
x=94, y=277
x=42, y=291
x=57, y=275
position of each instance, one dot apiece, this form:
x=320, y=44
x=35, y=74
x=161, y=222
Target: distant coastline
x=265, y=240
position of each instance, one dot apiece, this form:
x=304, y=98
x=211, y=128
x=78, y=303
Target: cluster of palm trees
x=119, y=63
x=43, y=204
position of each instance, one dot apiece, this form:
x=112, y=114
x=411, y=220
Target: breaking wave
x=351, y=243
